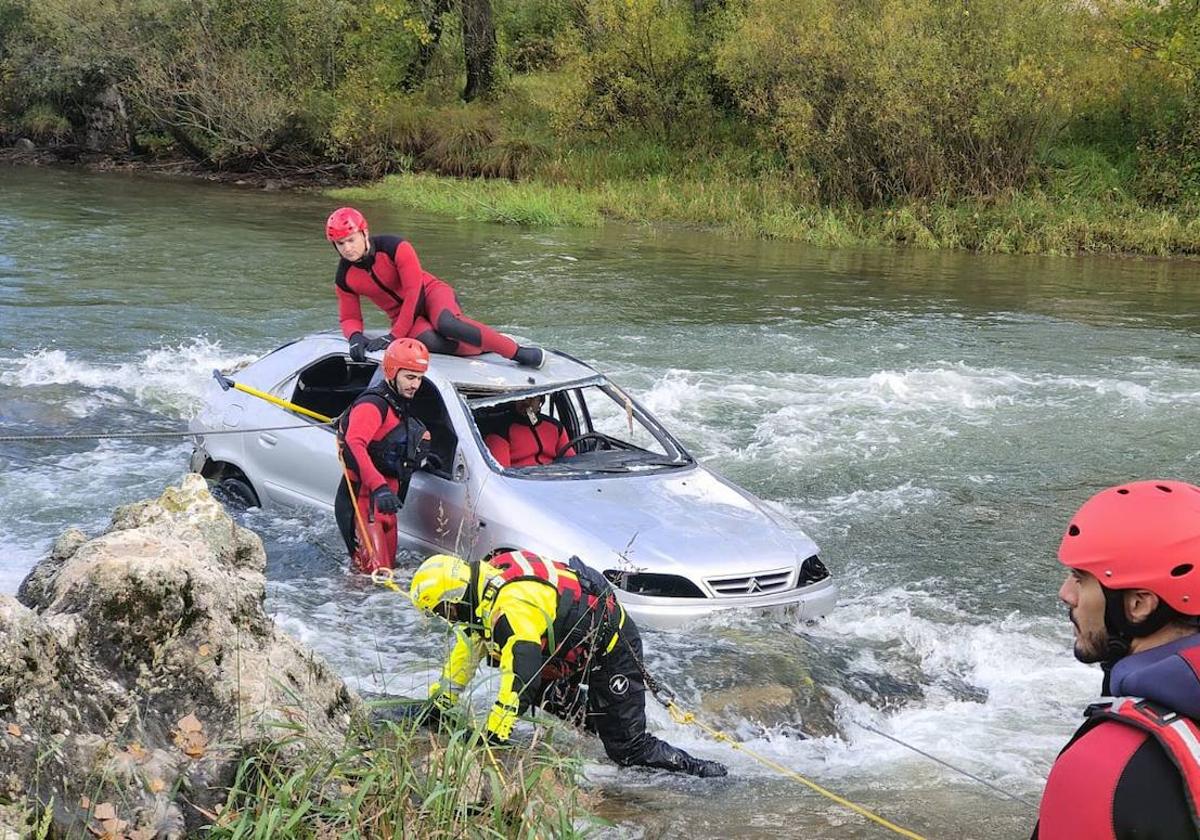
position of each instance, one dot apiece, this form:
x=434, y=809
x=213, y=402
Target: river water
x=930, y=419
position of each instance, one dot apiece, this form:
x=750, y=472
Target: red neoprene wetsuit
x=523, y=445
x=371, y=418
x=418, y=304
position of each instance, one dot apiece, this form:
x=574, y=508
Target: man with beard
x=1132, y=770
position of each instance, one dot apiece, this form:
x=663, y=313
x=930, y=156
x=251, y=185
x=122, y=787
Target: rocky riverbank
x=138, y=669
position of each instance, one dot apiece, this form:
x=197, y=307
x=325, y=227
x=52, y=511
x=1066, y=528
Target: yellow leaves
x=13, y=730
x=105, y=811
x=189, y=736
x=156, y=785
x=204, y=650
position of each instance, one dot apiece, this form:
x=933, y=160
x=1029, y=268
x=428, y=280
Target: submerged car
x=677, y=541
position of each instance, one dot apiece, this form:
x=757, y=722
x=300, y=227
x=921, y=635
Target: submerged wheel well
x=219, y=471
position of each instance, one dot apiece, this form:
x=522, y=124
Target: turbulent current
x=930, y=420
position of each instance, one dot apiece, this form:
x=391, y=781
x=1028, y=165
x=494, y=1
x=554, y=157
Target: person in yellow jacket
x=547, y=625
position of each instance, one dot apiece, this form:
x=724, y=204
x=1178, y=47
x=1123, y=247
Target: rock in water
x=139, y=668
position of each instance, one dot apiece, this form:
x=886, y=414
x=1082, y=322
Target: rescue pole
x=364, y=533
x=226, y=383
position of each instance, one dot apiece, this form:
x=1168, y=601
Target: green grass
x=400, y=781
x=1081, y=205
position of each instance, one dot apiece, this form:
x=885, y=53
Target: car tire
x=235, y=493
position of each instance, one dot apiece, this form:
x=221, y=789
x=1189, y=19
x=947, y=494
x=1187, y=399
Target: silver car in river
x=678, y=541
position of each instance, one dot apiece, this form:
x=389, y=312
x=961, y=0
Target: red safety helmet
x=1143, y=535
x=405, y=354
x=344, y=221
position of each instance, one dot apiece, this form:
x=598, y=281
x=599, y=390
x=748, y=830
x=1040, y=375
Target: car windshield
x=583, y=428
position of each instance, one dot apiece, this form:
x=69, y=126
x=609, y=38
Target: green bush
x=1162, y=38
x=638, y=64
x=877, y=100
x=1168, y=167
x=531, y=31
x=43, y=124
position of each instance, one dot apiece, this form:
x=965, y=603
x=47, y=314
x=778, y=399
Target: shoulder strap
x=1178, y=736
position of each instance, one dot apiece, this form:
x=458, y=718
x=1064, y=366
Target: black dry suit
x=588, y=641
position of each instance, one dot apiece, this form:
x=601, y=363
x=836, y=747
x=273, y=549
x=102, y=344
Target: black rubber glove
x=380, y=343
x=358, y=347
x=384, y=500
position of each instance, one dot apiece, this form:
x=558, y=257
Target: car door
x=297, y=465
x=438, y=514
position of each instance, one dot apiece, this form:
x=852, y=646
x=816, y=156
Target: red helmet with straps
x=344, y=221
x=1142, y=535
x=405, y=354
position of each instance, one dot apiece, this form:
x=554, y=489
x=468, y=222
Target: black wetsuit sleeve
x=1149, y=802
x=527, y=663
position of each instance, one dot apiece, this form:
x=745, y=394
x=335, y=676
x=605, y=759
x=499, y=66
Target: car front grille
x=759, y=583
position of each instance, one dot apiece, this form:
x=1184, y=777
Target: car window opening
x=606, y=430
x=331, y=384
x=430, y=409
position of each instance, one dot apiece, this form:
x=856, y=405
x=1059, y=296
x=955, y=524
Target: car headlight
x=811, y=571
x=653, y=585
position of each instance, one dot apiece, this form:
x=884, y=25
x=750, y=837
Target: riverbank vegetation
x=998, y=125
x=398, y=780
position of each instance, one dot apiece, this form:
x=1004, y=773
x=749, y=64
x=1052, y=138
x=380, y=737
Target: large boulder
x=108, y=128
x=139, y=668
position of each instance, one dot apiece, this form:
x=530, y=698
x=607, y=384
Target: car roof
x=486, y=372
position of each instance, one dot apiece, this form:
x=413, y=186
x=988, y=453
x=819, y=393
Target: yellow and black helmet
x=441, y=586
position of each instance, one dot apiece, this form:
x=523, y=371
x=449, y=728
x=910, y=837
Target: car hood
x=689, y=521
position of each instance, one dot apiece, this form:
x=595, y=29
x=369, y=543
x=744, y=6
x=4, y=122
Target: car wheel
x=235, y=493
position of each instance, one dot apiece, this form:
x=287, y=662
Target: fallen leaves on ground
x=189, y=736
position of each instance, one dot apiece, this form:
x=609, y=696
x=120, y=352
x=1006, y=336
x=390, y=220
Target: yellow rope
x=385, y=577
x=684, y=717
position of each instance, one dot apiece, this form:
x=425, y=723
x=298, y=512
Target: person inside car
x=546, y=624
x=530, y=438
x=385, y=270
x=380, y=443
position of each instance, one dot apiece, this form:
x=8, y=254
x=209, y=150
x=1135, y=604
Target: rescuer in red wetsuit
x=385, y=270
x=380, y=444
x=531, y=439
x=1132, y=770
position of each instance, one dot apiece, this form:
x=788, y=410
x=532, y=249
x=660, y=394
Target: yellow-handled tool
x=226, y=383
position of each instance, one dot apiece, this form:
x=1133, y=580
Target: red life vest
x=1179, y=737
x=585, y=601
